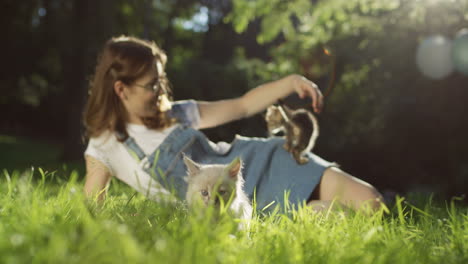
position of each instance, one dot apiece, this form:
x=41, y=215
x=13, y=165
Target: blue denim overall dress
x=269, y=171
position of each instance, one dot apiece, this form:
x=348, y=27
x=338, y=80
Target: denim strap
x=137, y=153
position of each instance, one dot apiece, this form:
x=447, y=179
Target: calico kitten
x=209, y=184
x=299, y=126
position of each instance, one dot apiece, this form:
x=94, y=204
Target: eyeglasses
x=155, y=86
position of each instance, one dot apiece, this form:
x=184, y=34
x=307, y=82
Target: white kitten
x=218, y=183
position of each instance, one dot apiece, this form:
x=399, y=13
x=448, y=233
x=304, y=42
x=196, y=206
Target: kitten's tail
x=284, y=110
x=315, y=132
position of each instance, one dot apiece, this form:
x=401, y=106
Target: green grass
x=45, y=219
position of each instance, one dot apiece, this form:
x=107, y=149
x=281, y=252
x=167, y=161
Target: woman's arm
x=97, y=178
x=258, y=99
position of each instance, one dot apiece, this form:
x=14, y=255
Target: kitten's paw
x=303, y=160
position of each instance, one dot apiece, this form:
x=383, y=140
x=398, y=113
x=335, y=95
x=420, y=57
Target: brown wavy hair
x=124, y=59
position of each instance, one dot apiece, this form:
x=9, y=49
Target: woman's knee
x=333, y=184
x=371, y=198
x=349, y=190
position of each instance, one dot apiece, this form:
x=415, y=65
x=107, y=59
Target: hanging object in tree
x=434, y=57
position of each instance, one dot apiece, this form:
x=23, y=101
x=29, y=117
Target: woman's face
x=145, y=94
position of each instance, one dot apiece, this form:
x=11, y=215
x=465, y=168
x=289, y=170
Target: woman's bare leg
x=320, y=206
x=337, y=185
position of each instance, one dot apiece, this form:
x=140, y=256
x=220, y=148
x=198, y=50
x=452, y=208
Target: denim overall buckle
x=144, y=163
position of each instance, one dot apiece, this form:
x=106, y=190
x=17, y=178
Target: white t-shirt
x=114, y=155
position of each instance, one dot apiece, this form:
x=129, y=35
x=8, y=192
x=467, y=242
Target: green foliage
x=318, y=22
x=49, y=221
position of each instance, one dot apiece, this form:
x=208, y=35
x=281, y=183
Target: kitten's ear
x=192, y=167
x=234, y=168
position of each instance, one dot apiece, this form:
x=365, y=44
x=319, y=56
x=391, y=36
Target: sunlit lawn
x=44, y=218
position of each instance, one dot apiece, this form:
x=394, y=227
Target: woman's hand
x=304, y=87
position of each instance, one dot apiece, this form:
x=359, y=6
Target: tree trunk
x=74, y=64
x=91, y=25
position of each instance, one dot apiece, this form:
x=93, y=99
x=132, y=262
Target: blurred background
x=394, y=73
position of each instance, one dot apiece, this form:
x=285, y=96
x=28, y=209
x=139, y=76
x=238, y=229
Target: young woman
x=139, y=136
